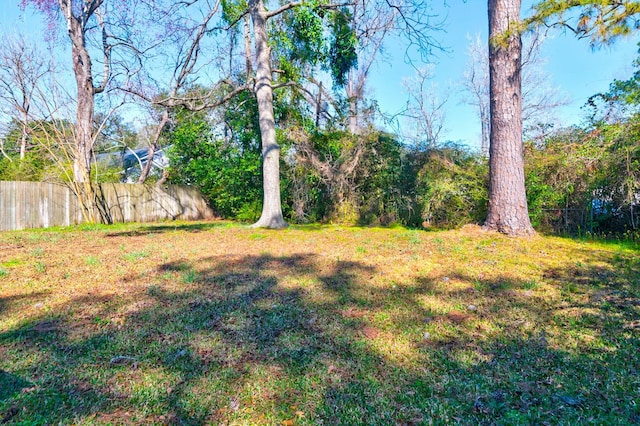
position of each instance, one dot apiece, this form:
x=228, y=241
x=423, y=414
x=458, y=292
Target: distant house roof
x=133, y=160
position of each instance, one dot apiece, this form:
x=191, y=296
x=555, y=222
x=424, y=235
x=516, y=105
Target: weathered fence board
x=40, y=204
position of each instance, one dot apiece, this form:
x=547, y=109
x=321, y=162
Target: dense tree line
x=268, y=140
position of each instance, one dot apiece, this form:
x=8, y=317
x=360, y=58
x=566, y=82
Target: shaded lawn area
x=215, y=323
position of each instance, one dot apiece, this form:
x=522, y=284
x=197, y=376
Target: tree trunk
x=271, y=208
x=26, y=106
x=354, y=90
x=83, y=147
x=25, y=136
x=85, y=109
x=144, y=172
x=485, y=131
x=353, y=95
x=153, y=147
x=247, y=47
x=508, y=212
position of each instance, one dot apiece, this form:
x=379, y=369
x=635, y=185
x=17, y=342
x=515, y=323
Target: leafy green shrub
x=581, y=180
x=227, y=172
x=379, y=181
x=560, y=177
x=339, y=177
x=30, y=168
x=451, y=187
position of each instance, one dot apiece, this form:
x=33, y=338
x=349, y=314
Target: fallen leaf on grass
x=121, y=360
x=45, y=326
x=353, y=313
x=234, y=404
x=370, y=332
x=455, y=317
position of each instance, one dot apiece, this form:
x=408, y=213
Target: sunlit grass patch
x=136, y=255
x=92, y=260
x=220, y=324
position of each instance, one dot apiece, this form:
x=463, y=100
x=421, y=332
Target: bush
x=227, y=174
x=451, y=187
x=581, y=180
x=560, y=176
x=30, y=168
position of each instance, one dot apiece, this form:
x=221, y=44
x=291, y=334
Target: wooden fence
x=40, y=205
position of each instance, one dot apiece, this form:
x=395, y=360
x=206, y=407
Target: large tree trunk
x=508, y=212
x=83, y=148
x=81, y=61
x=84, y=115
x=271, y=208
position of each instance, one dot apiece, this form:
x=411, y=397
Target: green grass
x=92, y=260
x=206, y=323
x=136, y=255
x=40, y=267
x=37, y=252
x=190, y=276
x=12, y=263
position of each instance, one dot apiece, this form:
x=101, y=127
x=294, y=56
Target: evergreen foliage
x=600, y=20
x=227, y=171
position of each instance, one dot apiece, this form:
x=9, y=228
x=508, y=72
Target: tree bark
x=84, y=134
x=153, y=147
x=271, y=208
x=247, y=47
x=25, y=134
x=83, y=149
x=508, y=212
x=84, y=114
x=81, y=60
x=354, y=95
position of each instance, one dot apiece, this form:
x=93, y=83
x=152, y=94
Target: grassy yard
x=216, y=323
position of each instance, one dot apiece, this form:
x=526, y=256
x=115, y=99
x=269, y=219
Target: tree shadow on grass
x=11, y=385
x=7, y=301
x=171, y=227
x=266, y=340
x=157, y=356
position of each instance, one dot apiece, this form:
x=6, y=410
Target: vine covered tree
x=302, y=29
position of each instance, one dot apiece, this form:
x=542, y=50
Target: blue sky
x=573, y=66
